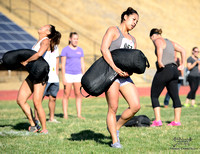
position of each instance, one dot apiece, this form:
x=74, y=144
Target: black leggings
x=165, y=77
x=194, y=84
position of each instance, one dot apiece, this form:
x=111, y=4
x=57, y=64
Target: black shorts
x=43, y=80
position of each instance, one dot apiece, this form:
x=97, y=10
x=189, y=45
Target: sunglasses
x=196, y=51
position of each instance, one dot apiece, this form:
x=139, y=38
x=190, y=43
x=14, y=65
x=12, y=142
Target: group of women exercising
x=115, y=37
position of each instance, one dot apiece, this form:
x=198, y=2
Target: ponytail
x=128, y=12
x=155, y=31
x=55, y=37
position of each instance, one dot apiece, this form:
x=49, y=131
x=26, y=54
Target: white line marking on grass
x=16, y=133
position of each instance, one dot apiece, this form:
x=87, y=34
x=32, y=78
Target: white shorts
x=71, y=78
x=123, y=81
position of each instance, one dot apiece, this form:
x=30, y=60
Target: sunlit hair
x=155, y=31
x=128, y=12
x=55, y=37
x=194, y=48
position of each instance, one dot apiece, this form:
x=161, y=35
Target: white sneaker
x=54, y=120
x=116, y=145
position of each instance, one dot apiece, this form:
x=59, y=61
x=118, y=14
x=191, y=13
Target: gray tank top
x=122, y=42
x=168, y=56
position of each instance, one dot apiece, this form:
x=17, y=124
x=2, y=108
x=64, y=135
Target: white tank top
x=50, y=58
x=36, y=47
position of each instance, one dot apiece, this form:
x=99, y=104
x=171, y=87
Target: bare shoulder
x=45, y=41
x=174, y=43
x=159, y=41
x=112, y=29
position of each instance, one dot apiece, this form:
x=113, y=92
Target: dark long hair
x=128, y=12
x=55, y=37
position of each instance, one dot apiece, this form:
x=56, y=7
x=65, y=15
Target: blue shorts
x=123, y=81
x=51, y=89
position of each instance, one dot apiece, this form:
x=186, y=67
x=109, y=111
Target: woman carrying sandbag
x=116, y=38
x=48, y=37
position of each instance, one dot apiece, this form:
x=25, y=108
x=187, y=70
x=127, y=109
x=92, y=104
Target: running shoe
x=156, y=123
x=116, y=145
x=186, y=105
x=173, y=123
x=33, y=129
x=195, y=105
x=45, y=131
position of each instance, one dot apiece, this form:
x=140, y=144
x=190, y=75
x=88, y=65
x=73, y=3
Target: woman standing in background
x=166, y=75
x=73, y=68
x=193, y=65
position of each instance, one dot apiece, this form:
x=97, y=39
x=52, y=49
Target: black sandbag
x=98, y=78
x=137, y=121
x=100, y=75
x=38, y=69
x=130, y=60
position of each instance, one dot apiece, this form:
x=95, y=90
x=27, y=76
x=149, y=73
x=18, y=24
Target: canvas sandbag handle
x=147, y=62
x=82, y=93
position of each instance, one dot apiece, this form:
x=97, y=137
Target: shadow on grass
x=61, y=115
x=19, y=126
x=6, y=125
x=89, y=135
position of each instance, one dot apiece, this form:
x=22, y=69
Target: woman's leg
x=157, y=87
x=52, y=105
x=193, y=83
x=37, y=100
x=130, y=93
x=24, y=93
x=67, y=91
x=78, y=98
x=112, y=96
x=172, y=88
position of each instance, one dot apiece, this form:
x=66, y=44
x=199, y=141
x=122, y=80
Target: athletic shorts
x=71, y=78
x=43, y=80
x=51, y=89
x=123, y=81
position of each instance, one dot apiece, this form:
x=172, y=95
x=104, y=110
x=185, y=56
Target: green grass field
x=91, y=136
